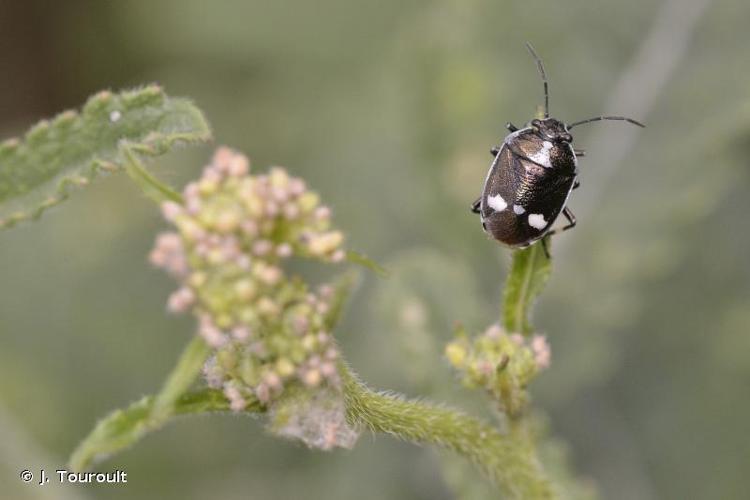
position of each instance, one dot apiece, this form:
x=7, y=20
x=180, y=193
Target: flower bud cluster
x=234, y=230
x=501, y=363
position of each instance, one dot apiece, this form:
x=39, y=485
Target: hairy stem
x=508, y=458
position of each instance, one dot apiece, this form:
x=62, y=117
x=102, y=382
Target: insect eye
x=567, y=138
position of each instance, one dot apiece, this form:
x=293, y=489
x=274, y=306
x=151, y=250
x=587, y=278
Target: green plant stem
x=123, y=428
x=528, y=274
x=506, y=458
x=150, y=185
x=182, y=377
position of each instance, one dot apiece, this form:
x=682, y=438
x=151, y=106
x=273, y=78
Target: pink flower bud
x=272, y=380
x=284, y=250
x=296, y=186
x=300, y=324
x=517, y=339
x=262, y=247
x=170, y=210
x=493, y=332
x=241, y=333
x=485, y=367
x=270, y=275
x=280, y=194
x=262, y=393
x=238, y=166
x=322, y=307
x=192, y=191
x=291, y=211
x=222, y=156
x=243, y=261
x=314, y=361
x=323, y=213
x=211, y=175
x=311, y=378
x=272, y=209
x=181, y=300
x=249, y=227
x=328, y=370
x=211, y=334
x=193, y=206
x=233, y=394
x=542, y=352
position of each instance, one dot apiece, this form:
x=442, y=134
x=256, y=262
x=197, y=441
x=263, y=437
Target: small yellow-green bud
x=285, y=367
x=456, y=354
x=245, y=289
x=197, y=279
x=278, y=177
x=227, y=221
x=312, y=378
x=308, y=201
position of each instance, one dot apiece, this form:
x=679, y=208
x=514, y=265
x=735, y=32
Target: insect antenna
x=598, y=118
x=542, y=73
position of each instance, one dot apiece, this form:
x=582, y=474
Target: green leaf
x=122, y=428
x=73, y=148
x=529, y=272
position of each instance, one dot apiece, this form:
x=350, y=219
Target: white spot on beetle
x=497, y=203
x=115, y=116
x=537, y=221
x=542, y=156
x=518, y=209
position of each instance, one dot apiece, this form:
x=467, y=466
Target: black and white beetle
x=531, y=178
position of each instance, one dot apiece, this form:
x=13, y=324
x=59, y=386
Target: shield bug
x=531, y=177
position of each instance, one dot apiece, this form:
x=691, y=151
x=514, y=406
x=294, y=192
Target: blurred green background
x=389, y=109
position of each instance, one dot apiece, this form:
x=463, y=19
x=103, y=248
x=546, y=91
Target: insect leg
x=571, y=222
x=545, y=247
x=475, y=205
x=580, y=152
x=576, y=185
x=494, y=151
x=568, y=213
x=511, y=127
